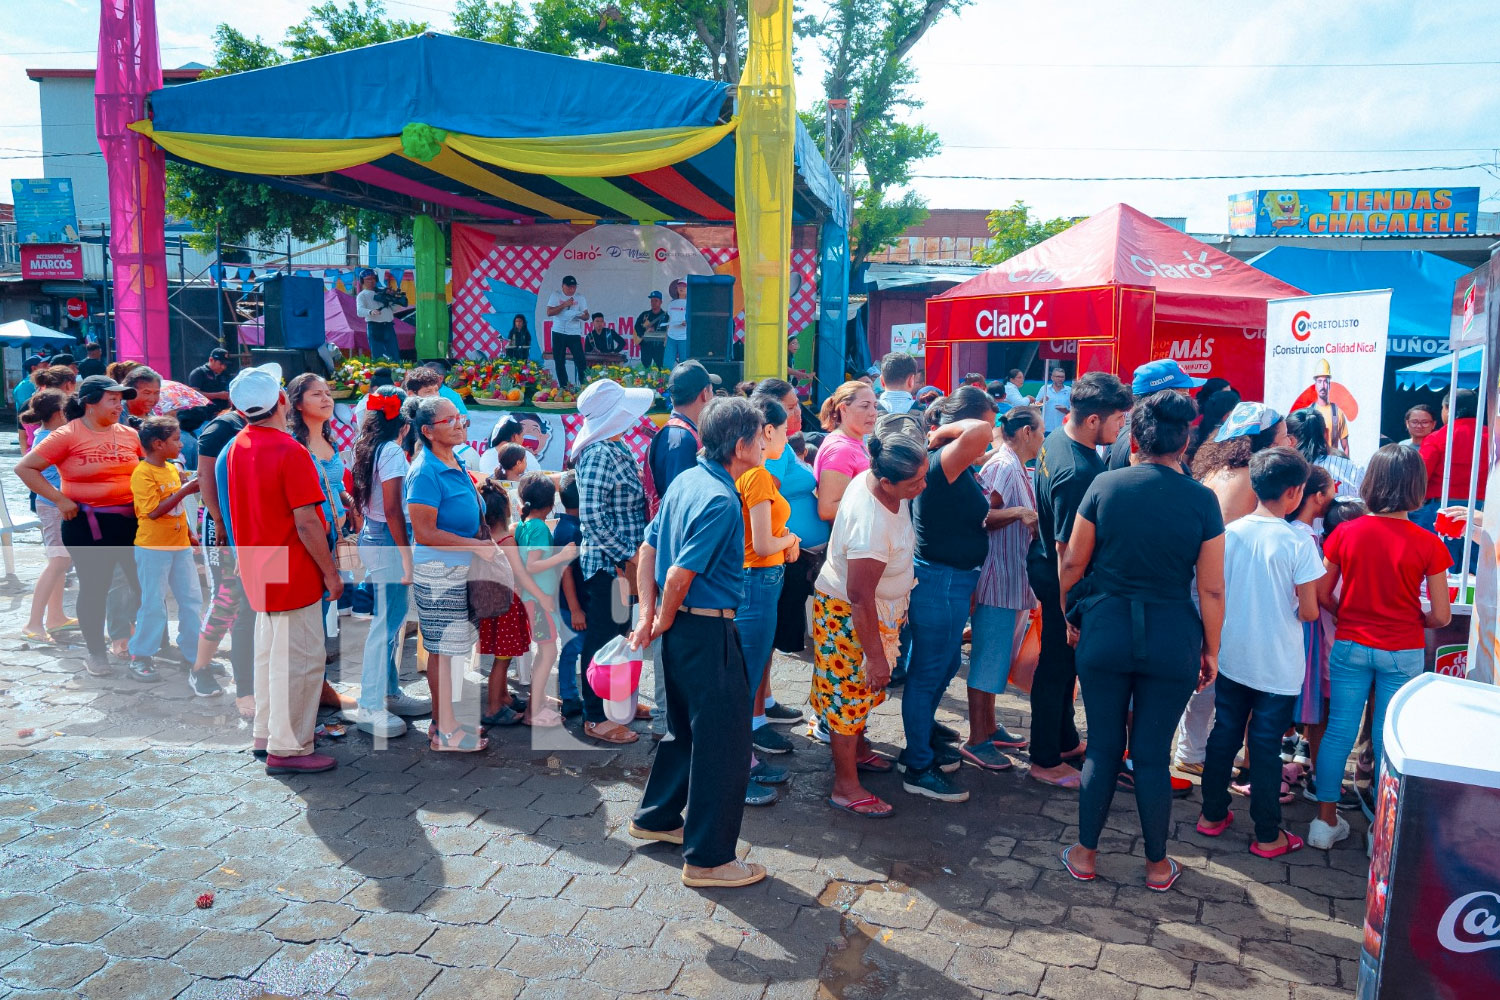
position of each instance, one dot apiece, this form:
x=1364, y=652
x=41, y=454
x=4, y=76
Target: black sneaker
x=1288, y=749
x=1303, y=754
x=142, y=669
x=934, y=784
x=947, y=734
x=783, y=715
x=767, y=773
x=203, y=683
x=945, y=758
x=99, y=666
x=172, y=657
x=757, y=794
x=767, y=740
x=1348, y=799
x=571, y=708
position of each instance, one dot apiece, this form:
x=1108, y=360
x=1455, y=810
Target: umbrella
x=176, y=396
x=24, y=333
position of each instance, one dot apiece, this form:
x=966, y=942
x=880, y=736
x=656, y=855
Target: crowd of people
x=1196, y=566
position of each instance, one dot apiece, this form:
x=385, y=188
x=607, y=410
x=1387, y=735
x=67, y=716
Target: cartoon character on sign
x=1334, y=403
x=1284, y=208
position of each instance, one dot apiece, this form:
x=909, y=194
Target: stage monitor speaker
x=710, y=316
x=293, y=363
x=293, y=312
x=731, y=373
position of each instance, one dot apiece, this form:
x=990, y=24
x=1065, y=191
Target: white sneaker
x=1323, y=836
x=407, y=705
x=377, y=723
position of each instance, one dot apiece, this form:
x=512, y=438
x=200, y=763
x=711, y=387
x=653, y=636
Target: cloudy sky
x=1067, y=90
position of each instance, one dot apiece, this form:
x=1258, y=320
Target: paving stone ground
x=507, y=874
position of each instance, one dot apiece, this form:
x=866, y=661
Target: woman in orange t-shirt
x=769, y=546
x=95, y=455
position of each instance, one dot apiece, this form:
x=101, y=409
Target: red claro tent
x=1127, y=289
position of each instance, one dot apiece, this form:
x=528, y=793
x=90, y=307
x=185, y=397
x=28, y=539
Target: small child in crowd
x=569, y=531
x=544, y=569
x=1381, y=561
x=512, y=466
x=509, y=635
x=1269, y=574
x=164, y=557
x=1317, y=636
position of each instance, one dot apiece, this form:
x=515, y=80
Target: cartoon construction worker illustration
x=1284, y=208
x=1334, y=403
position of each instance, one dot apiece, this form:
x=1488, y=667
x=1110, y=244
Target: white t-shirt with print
x=865, y=528
x=677, y=319
x=572, y=319
x=1265, y=559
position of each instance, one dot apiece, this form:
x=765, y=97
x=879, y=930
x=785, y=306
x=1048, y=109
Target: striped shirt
x=1002, y=579
x=1347, y=476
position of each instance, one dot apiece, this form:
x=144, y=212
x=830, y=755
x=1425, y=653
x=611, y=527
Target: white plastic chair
x=8, y=527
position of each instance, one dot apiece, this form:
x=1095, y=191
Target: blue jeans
x=755, y=620
x=158, y=570
x=939, y=608
x=378, y=675
x=383, y=343
x=675, y=353
x=567, y=664
x=1267, y=715
x=1351, y=669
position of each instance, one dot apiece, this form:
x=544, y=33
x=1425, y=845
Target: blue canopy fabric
x=477, y=88
x=1421, y=286
x=24, y=333
x=1436, y=373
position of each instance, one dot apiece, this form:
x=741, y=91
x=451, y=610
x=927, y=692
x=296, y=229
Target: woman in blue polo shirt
x=444, y=510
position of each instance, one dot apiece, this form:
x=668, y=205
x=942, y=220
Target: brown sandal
x=617, y=735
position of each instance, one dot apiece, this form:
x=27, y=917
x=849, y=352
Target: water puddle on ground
x=848, y=972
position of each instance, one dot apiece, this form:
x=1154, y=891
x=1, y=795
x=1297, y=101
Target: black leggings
x=562, y=343
x=1053, y=729
x=1144, y=671
x=96, y=561
x=607, y=618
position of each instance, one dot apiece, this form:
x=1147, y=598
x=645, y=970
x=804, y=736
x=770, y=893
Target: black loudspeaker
x=293, y=312
x=731, y=373
x=293, y=363
x=710, y=316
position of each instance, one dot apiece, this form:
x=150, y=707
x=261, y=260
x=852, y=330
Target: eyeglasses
x=457, y=420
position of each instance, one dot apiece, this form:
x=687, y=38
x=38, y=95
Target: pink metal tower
x=129, y=69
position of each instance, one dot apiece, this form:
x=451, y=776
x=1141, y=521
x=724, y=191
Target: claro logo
x=1471, y=923
x=998, y=323
x=1191, y=267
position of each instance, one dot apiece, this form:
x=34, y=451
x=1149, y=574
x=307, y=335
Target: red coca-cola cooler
x=1432, y=909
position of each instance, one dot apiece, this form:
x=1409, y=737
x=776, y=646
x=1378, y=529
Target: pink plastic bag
x=615, y=675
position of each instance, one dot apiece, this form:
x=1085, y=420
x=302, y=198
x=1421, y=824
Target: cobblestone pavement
x=410, y=874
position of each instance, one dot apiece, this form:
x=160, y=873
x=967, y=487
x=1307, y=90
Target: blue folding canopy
x=1436, y=373
x=1421, y=286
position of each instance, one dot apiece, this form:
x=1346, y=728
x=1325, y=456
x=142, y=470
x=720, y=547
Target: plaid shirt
x=611, y=506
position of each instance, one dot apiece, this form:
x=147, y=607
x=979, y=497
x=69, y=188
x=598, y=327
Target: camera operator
x=374, y=307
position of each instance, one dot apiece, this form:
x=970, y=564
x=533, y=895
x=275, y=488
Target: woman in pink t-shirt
x=847, y=415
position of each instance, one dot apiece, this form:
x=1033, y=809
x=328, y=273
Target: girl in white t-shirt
x=677, y=348
x=859, y=604
x=380, y=466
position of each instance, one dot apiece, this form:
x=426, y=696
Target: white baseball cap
x=256, y=391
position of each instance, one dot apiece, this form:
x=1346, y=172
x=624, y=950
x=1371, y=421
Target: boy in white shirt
x=1270, y=571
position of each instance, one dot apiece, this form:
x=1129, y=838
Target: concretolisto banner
x=1328, y=352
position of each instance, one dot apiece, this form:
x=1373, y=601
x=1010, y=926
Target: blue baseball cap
x=654, y=295
x=1154, y=376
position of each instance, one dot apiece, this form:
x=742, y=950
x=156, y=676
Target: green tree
x=1013, y=230
x=243, y=211
x=866, y=44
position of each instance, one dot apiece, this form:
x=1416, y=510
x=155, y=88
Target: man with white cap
x=612, y=515
x=275, y=499
x=693, y=558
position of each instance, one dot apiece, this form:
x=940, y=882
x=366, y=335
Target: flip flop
x=1071, y=782
x=1171, y=879
x=868, y=800
x=1293, y=843
x=461, y=740
x=619, y=736
x=1214, y=829
x=70, y=625
x=1076, y=753
x=42, y=636
x=1080, y=876
x=874, y=764
x=1125, y=782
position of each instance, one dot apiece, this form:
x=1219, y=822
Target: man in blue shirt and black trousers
x=691, y=577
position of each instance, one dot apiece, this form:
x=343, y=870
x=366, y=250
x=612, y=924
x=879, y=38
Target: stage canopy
x=477, y=132
x=1421, y=287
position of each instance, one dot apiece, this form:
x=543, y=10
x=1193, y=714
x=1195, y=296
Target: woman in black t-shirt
x=951, y=545
x=1140, y=534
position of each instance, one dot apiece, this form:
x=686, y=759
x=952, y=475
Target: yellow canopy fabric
x=611, y=155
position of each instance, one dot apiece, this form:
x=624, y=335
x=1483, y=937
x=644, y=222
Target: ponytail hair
x=43, y=405
x=73, y=409
x=896, y=457
x=829, y=415
x=536, y=492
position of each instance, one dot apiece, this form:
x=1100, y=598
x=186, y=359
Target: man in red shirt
x=1462, y=407
x=275, y=501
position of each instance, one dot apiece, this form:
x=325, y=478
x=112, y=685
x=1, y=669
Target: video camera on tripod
x=390, y=298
